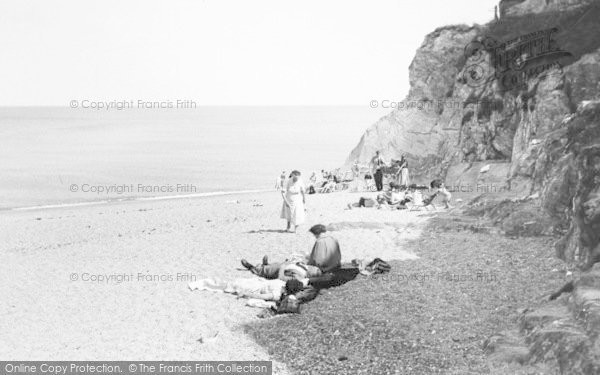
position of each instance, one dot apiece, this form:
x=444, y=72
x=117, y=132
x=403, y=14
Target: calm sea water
x=55, y=155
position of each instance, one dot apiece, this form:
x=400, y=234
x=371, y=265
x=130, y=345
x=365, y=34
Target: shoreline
x=135, y=199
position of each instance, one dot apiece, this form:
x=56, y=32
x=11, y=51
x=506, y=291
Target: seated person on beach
x=268, y=290
x=326, y=252
x=395, y=195
x=440, y=188
x=312, y=183
x=324, y=257
x=328, y=186
x=365, y=202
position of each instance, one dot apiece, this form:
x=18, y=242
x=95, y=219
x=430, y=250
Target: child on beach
x=441, y=189
x=258, y=288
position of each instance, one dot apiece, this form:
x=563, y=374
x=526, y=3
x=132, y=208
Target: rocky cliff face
x=414, y=128
x=521, y=92
x=522, y=7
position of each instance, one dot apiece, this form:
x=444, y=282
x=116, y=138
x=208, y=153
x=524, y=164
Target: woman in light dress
x=293, y=202
x=403, y=179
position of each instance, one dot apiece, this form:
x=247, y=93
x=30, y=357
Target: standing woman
x=293, y=202
x=355, y=176
x=404, y=180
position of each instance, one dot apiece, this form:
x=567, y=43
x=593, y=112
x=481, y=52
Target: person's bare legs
x=209, y=284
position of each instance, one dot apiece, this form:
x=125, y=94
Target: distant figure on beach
x=328, y=186
x=280, y=182
x=377, y=165
x=403, y=172
x=441, y=190
x=294, y=200
x=355, y=176
x=312, y=183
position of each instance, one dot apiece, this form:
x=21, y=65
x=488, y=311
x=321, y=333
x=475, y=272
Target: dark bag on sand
x=366, y=202
x=288, y=306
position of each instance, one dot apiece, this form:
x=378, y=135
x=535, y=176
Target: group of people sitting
x=327, y=183
x=403, y=197
x=296, y=280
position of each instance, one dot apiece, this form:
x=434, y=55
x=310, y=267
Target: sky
x=217, y=52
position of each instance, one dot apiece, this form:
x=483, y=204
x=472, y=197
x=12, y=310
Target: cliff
x=523, y=7
x=520, y=96
x=416, y=129
x=501, y=93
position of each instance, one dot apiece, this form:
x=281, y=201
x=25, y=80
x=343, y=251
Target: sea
x=58, y=156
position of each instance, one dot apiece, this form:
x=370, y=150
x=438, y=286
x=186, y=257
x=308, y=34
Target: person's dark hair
x=296, y=173
x=293, y=286
x=318, y=229
x=436, y=183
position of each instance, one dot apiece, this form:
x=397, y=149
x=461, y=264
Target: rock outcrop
x=414, y=128
x=518, y=93
x=515, y=105
x=523, y=7
x=563, y=333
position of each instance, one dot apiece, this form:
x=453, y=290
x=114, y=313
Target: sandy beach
x=110, y=281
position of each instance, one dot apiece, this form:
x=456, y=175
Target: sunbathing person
x=395, y=198
x=287, y=270
x=306, y=290
x=258, y=288
x=324, y=257
x=366, y=202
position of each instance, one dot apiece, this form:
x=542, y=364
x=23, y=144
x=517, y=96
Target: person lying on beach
x=395, y=198
x=257, y=288
x=308, y=289
x=287, y=270
x=324, y=257
x=364, y=202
